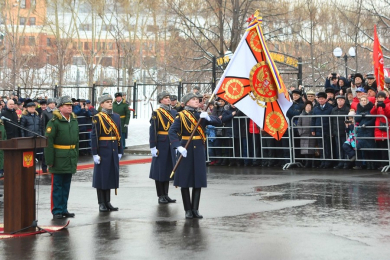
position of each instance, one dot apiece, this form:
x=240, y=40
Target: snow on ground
x=138, y=132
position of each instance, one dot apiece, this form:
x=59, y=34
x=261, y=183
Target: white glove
x=125, y=126
x=205, y=115
x=154, y=152
x=96, y=159
x=119, y=156
x=182, y=150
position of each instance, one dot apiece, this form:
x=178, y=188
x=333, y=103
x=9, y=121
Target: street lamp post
x=337, y=52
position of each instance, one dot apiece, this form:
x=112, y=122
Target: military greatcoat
x=122, y=109
x=191, y=172
x=162, y=165
x=105, y=143
x=62, y=149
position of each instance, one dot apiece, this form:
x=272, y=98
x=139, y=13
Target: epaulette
x=1, y=122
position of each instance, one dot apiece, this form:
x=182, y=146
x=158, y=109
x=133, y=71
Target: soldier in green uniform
x=122, y=109
x=61, y=154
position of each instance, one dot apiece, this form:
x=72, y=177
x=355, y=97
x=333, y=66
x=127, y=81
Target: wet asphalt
x=249, y=213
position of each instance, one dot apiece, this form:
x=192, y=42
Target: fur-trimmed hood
x=25, y=113
x=57, y=114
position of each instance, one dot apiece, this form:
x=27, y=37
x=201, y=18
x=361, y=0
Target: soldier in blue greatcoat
x=163, y=155
x=191, y=172
x=107, y=151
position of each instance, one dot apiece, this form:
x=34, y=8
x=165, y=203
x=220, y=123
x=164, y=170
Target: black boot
x=185, y=194
x=166, y=188
x=101, y=199
x=108, y=198
x=161, y=195
x=195, y=202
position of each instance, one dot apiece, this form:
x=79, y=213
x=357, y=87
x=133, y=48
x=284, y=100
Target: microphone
x=5, y=118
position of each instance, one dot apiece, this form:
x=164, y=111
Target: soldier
x=192, y=170
x=163, y=158
x=107, y=151
x=61, y=154
x=122, y=108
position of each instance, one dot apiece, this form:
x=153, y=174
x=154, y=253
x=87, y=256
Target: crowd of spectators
x=29, y=117
x=335, y=123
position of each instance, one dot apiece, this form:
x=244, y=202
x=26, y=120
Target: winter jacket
x=304, y=123
x=31, y=122
x=11, y=130
x=363, y=130
x=338, y=129
x=295, y=110
x=336, y=88
x=323, y=122
x=378, y=133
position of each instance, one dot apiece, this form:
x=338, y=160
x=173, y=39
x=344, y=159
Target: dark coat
x=323, y=122
x=363, y=130
x=11, y=130
x=82, y=117
x=304, y=123
x=30, y=122
x=105, y=174
x=46, y=116
x=3, y=136
x=339, y=129
x=61, y=132
x=162, y=166
x=191, y=172
x=227, y=120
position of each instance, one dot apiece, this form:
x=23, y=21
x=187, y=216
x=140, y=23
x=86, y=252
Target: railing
x=244, y=145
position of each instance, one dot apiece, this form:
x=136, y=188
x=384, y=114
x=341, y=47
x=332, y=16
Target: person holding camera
x=338, y=129
x=331, y=82
x=381, y=107
x=363, y=131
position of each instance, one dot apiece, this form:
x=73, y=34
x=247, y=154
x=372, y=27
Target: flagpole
x=188, y=142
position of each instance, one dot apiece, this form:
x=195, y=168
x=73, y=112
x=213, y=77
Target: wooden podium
x=19, y=182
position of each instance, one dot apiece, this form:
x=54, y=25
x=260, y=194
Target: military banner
x=252, y=82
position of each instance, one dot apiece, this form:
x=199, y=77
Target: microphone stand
x=34, y=224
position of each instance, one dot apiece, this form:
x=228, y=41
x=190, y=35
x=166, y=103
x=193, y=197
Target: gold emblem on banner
x=234, y=89
x=274, y=121
x=262, y=84
x=255, y=41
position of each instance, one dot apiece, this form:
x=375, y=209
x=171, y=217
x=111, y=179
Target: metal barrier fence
x=262, y=148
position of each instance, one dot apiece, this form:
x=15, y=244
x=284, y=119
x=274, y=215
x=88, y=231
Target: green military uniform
x=3, y=136
x=61, y=154
x=123, y=110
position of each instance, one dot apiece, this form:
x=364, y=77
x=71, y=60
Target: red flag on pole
x=378, y=62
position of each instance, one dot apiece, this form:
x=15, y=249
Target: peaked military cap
x=43, y=102
x=196, y=87
x=163, y=94
x=187, y=97
x=173, y=97
x=118, y=94
x=104, y=98
x=65, y=100
x=370, y=76
x=387, y=80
